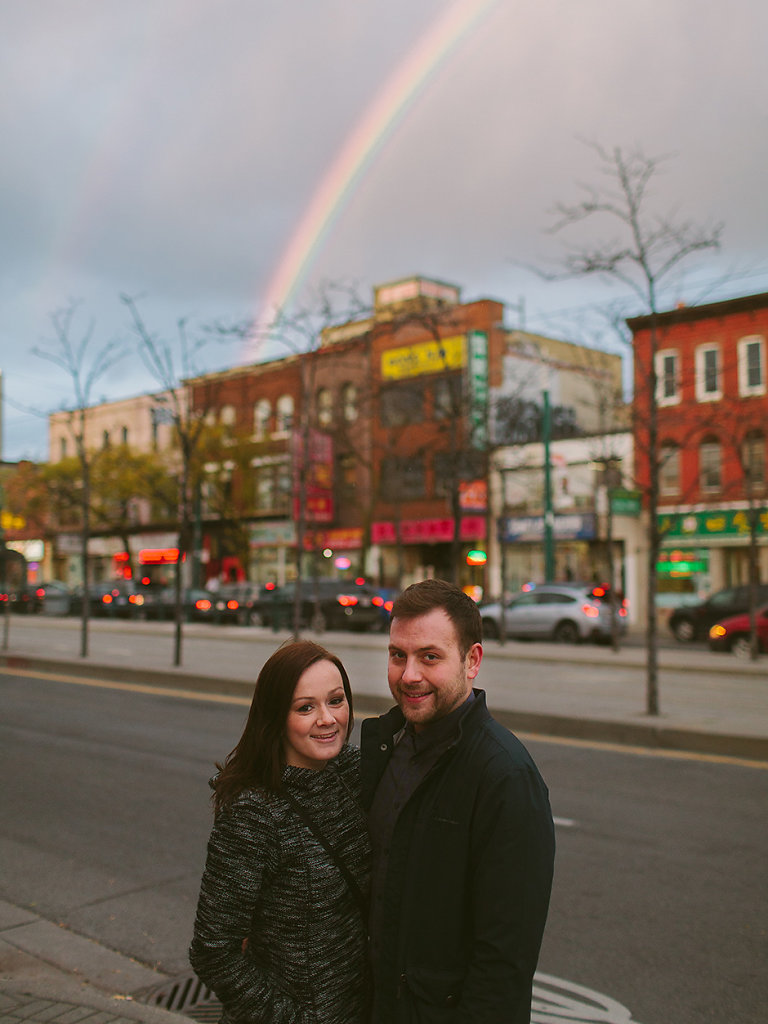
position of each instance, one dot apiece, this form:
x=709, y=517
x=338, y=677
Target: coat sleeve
x=243, y=851
x=513, y=850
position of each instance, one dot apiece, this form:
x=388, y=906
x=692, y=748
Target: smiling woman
x=280, y=934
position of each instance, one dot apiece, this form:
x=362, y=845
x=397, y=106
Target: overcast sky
x=170, y=149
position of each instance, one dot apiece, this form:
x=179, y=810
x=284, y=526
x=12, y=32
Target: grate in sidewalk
x=187, y=995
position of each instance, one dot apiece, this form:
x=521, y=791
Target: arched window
x=710, y=465
x=753, y=459
x=285, y=414
x=669, y=468
x=349, y=402
x=227, y=415
x=262, y=411
x=324, y=401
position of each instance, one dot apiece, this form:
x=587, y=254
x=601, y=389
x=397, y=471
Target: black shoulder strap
x=354, y=888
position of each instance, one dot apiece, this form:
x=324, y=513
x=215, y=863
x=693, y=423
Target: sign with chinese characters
x=715, y=523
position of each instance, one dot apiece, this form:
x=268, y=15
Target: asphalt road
x=660, y=895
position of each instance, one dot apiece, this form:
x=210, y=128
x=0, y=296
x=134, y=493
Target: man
x=461, y=829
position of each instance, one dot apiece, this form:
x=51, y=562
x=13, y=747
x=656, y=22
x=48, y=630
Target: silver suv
x=565, y=612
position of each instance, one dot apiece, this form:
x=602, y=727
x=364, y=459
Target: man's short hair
x=427, y=595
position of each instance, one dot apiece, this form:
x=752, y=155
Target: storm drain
x=187, y=995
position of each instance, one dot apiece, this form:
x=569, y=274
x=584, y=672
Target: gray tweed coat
x=268, y=879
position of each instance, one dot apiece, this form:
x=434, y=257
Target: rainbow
x=361, y=146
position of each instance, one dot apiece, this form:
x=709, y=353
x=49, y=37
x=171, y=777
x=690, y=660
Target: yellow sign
x=8, y=521
x=426, y=357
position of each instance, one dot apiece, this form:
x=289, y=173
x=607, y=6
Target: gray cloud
x=170, y=150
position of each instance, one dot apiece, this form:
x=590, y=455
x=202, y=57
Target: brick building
x=712, y=414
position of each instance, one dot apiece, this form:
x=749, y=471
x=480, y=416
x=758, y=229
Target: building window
x=667, y=377
x=262, y=411
x=447, y=397
x=752, y=365
x=272, y=486
x=402, y=477
x=710, y=465
x=346, y=477
x=402, y=403
x=451, y=468
x=708, y=387
x=227, y=416
x=324, y=405
x=284, y=409
x=349, y=402
x=753, y=460
x=669, y=469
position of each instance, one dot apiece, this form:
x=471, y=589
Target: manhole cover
x=187, y=995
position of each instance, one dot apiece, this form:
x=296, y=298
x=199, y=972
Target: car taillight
x=203, y=604
x=136, y=599
x=378, y=601
x=590, y=611
x=717, y=631
x=107, y=599
x=347, y=600
x=389, y=605
x=232, y=605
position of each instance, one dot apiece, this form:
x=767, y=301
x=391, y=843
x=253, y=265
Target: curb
x=649, y=734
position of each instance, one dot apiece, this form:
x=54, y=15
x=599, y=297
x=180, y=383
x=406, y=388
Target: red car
x=733, y=634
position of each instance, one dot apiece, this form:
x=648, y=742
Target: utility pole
x=549, y=516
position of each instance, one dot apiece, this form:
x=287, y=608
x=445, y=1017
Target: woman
x=280, y=932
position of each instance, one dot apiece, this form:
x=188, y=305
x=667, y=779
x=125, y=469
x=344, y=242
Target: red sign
x=428, y=531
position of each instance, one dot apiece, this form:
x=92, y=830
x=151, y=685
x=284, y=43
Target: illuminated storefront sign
x=426, y=357
x=531, y=528
x=716, y=523
x=427, y=531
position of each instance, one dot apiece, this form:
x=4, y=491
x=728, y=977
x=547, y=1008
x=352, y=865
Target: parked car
x=120, y=598
x=22, y=599
x=693, y=621
x=733, y=634
x=564, y=612
x=239, y=602
x=54, y=597
x=197, y=605
x=325, y=604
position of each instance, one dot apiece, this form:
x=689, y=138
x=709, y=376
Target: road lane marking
x=555, y=999
x=218, y=698
x=622, y=748
x=106, y=684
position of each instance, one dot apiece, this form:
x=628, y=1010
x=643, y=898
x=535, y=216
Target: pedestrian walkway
x=50, y=975
x=709, y=703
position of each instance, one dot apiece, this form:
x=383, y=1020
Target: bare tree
x=649, y=247
x=85, y=366
x=172, y=365
x=301, y=333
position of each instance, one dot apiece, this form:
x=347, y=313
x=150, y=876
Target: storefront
x=414, y=549
x=702, y=551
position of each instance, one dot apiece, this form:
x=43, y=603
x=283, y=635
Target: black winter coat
x=468, y=881
x=267, y=878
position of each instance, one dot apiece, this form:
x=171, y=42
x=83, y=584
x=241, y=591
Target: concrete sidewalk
x=50, y=974
x=710, y=703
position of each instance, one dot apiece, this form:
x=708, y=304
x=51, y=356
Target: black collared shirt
x=415, y=754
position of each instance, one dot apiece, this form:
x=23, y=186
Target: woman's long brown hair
x=258, y=759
